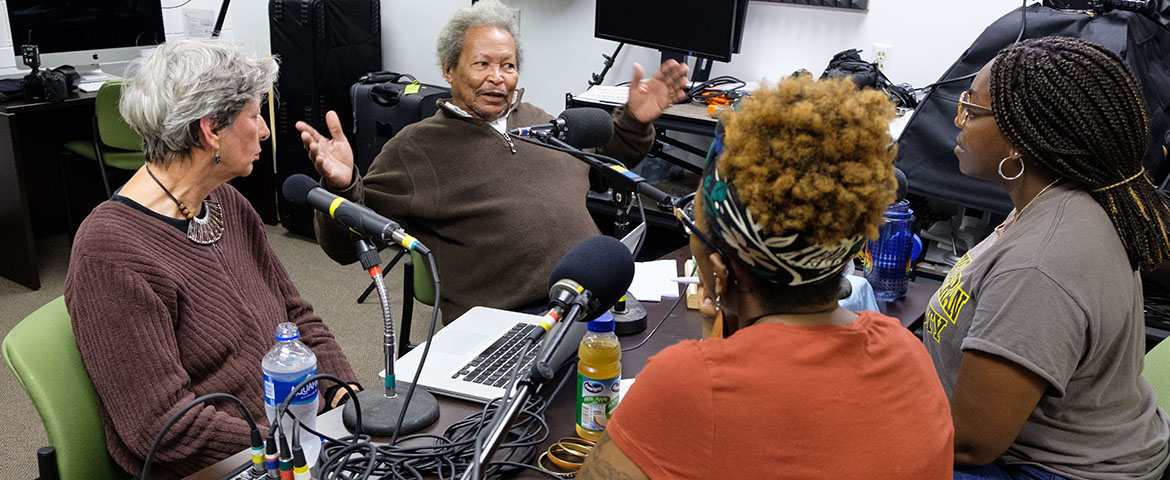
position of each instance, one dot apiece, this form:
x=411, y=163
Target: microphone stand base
x=630, y=321
x=380, y=413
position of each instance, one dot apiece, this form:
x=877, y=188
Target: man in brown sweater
x=497, y=214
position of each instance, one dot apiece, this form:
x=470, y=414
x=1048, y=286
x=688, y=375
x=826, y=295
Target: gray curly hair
x=169, y=91
x=485, y=13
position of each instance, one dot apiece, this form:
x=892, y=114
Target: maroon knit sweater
x=160, y=321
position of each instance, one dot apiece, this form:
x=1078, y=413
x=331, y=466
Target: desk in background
x=31, y=133
x=32, y=192
x=688, y=117
x=682, y=325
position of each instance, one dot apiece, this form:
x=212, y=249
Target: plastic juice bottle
x=599, y=372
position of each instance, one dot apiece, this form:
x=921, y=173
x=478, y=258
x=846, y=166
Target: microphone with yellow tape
x=302, y=190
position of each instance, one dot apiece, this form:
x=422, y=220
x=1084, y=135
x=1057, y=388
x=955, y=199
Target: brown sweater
x=160, y=321
x=497, y=219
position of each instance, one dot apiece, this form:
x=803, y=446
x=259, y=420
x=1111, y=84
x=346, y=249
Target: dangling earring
x=718, y=304
x=217, y=158
x=1005, y=159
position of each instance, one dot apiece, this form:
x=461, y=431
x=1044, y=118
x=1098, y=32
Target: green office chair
x=42, y=351
x=1157, y=373
x=114, y=144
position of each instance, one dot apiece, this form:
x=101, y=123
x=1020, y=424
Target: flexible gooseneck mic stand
x=494, y=435
x=383, y=406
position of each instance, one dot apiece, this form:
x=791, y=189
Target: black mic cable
x=255, y=432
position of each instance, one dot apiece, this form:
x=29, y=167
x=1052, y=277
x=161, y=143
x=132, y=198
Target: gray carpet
x=331, y=288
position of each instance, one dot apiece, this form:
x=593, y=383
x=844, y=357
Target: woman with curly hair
x=798, y=387
x=1037, y=332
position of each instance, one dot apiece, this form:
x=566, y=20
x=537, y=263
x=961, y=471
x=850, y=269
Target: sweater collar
x=517, y=95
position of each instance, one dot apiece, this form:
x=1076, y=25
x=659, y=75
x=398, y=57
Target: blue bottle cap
x=604, y=323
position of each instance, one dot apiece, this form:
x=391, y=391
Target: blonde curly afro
x=813, y=157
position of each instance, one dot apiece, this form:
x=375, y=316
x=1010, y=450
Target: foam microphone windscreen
x=901, y=178
x=601, y=264
x=587, y=127
x=296, y=189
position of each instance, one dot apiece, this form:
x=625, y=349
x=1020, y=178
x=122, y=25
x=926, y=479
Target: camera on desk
x=43, y=84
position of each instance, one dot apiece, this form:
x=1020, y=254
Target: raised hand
x=649, y=99
x=332, y=157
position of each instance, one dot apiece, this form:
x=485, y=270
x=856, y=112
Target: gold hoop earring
x=1005, y=159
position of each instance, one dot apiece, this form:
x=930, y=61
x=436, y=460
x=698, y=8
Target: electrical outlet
x=881, y=53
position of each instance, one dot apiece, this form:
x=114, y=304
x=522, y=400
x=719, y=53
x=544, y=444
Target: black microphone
x=303, y=191
x=600, y=270
x=602, y=265
x=580, y=127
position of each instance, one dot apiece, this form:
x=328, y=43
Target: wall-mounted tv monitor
x=710, y=29
x=85, y=34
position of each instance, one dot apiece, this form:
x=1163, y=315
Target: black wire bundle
x=714, y=87
x=445, y=456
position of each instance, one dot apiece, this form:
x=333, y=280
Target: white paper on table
x=626, y=384
x=652, y=280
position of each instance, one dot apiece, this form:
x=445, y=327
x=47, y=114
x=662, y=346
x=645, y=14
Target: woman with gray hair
x=172, y=288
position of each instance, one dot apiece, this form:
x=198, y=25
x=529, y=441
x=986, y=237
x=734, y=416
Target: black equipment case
x=383, y=104
x=324, y=46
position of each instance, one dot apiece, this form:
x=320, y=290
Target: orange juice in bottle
x=599, y=372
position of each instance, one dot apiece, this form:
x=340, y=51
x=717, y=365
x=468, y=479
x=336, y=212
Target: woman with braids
x=798, y=387
x=1037, y=332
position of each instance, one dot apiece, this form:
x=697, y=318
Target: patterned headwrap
x=789, y=258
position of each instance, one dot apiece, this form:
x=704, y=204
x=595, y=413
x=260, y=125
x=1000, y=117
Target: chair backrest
x=424, y=286
x=1157, y=373
x=42, y=351
x=113, y=130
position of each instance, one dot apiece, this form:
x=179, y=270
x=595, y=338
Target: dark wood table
x=682, y=324
x=31, y=188
x=31, y=133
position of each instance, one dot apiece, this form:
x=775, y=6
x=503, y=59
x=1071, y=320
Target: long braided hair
x=1077, y=109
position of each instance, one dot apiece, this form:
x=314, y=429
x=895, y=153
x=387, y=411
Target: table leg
x=18, y=256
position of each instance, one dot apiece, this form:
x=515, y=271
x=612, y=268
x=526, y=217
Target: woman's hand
x=341, y=394
x=332, y=157
x=707, y=309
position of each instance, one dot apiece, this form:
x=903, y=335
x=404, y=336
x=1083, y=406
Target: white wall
x=250, y=15
x=561, y=53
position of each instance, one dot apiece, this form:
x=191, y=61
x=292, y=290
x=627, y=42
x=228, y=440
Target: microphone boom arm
x=619, y=176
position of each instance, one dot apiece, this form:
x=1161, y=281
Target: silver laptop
x=472, y=358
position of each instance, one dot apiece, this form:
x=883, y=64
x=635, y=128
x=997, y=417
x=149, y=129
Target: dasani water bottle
x=284, y=366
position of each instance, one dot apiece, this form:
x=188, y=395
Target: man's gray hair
x=485, y=13
x=168, y=92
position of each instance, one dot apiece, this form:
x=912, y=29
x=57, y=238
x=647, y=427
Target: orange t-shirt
x=780, y=401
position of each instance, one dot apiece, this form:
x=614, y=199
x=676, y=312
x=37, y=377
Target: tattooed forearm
x=609, y=462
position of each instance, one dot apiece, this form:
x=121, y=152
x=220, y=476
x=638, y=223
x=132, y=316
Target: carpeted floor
x=331, y=288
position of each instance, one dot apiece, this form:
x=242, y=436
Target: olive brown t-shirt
x=1053, y=292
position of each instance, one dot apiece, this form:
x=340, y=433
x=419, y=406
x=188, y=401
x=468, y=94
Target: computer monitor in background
x=706, y=29
x=85, y=34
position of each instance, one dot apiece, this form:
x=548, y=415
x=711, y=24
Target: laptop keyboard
x=493, y=366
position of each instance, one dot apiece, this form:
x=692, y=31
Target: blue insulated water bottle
x=887, y=259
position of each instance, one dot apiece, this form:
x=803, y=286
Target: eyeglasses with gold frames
x=966, y=107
